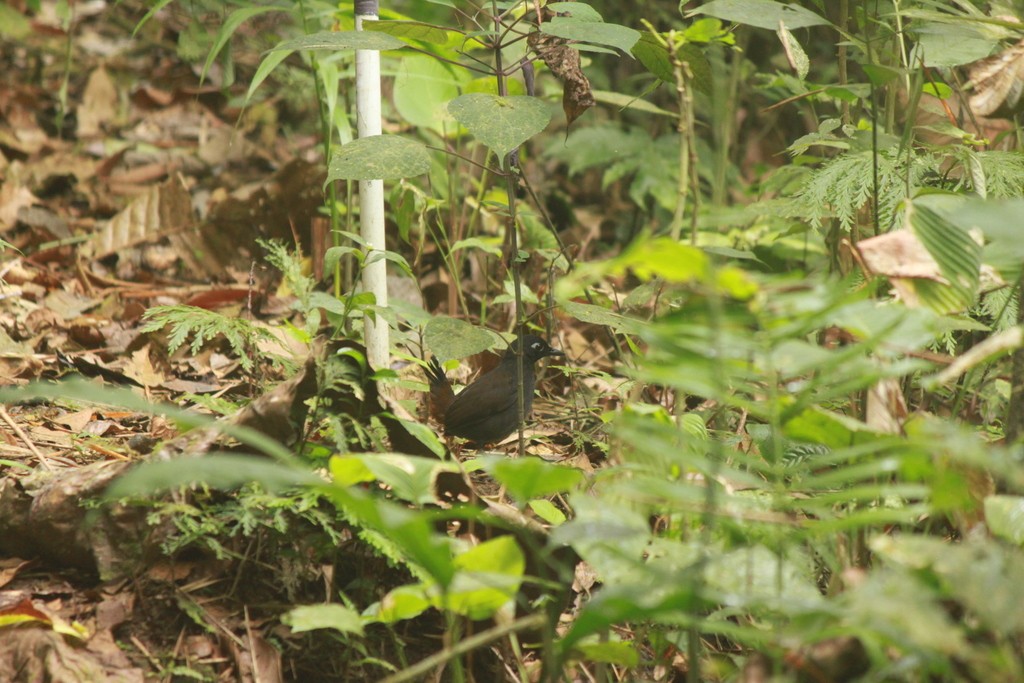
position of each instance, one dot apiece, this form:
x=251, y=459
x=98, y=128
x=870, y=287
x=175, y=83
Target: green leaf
x=630, y=603
x=594, y=32
x=404, y=602
x=266, y=67
x=312, y=617
x=580, y=11
x=981, y=574
x=528, y=478
x=597, y=315
x=13, y=25
x=488, y=245
x=425, y=435
x=762, y=14
x=423, y=88
x=411, y=531
x=655, y=57
x=500, y=123
x=228, y=28
x=382, y=157
x=413, y=30
x=488, y=578
x=940, y=90
x=613, y=652
x=946, y=45
x=547, y=511
x=451, y=338
x=340, y=41
x=957, y=254
x=817, y=425
x=880, y=75
x=999, y=222
x=410, y=477
x=1005, y=517
x=221, y=471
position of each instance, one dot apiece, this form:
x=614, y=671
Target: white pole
x=371, y=192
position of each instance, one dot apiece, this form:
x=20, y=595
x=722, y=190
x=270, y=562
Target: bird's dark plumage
x=486, y=411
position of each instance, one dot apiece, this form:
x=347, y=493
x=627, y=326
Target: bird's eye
x=536, y=346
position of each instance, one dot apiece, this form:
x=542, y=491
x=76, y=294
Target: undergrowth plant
x=824, y=485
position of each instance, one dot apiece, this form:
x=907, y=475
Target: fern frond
x=844, y=186
x=185, y=322
x=1002, y=173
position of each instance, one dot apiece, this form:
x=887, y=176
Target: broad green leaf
x=527, y=478
x=425, y=435
x=594, y=32
x=423, y=88
x=547, y=511
x=880, y=75
x=312, y=617
x=667, y=259
x=219, y=471
x=1004, y=516
x=597, y=315
x=893, y=604
x=951, y=44
x=999, y=222
x=410, y=477
x=488, y=245
x=958, y=257
x=413, y=30
x=411, y=532
x=817, y=425
x=655, y=58
x=762, y=14
x=404, y=602
x=489, y=85
x=349, y=471
x=14, y=26
x=613, y=652
x=500, y=123
x=379, y=157
x=451, y=338
x=341, y=40
x=580, y=11
x=985, y=576
x=488, y=578
x=619, y=604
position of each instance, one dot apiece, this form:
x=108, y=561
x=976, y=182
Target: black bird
x=486, y=411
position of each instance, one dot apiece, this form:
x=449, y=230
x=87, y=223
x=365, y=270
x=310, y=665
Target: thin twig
x=24, y=437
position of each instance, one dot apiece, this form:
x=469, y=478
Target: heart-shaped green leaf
x=379, y=157
x=501, y=123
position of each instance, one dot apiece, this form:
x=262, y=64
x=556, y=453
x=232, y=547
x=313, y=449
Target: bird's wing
x=480, y=400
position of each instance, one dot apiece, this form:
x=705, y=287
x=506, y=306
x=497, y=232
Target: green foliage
x=794, y=504
x=844, y=186
x=202, y=326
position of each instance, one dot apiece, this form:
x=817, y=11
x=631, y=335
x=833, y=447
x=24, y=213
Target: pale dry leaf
x=13, y=197
x=899, y=254
x=99, y=104
x=998, y=83
x=886, y=407
x=164, y=209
